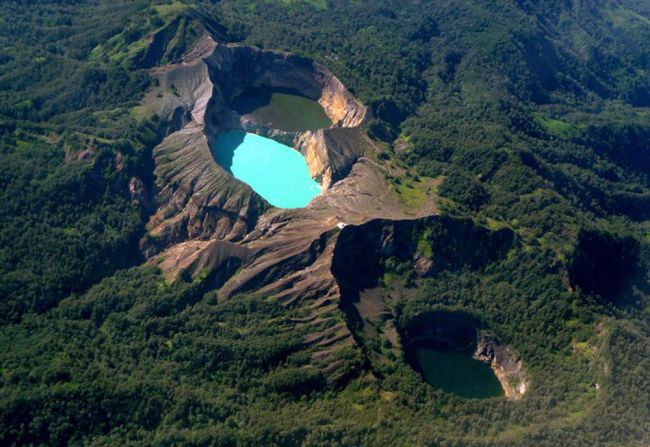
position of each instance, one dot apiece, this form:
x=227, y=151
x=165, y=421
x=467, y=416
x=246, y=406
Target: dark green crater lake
x=281, y=109
x=456, y=372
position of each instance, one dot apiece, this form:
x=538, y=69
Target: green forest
x=534, y=116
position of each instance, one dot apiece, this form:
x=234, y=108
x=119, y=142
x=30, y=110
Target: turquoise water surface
x=274, y=171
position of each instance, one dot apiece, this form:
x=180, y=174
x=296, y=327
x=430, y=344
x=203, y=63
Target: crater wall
x=196, y=197
x=464, y=332
x=426, y=247
x=238, y=68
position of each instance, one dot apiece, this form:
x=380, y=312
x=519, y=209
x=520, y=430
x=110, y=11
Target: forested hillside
x=534, y=117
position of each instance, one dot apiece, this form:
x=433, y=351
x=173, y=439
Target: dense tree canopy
x=535, y=116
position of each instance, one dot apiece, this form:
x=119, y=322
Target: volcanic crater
x=207, y=222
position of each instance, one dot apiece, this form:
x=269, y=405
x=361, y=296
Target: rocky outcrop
x=330, y=153
x=339, y=104
x=506, y=365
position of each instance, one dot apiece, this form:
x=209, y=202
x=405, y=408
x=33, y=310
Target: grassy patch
x=410, y=195
x=556, y=127
x=172, y=10
x=319, y=4
x=414, y=192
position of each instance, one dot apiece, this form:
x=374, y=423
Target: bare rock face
x=207, y=222
x=330, y=153
x=422, y=265
x=506, y=365
x=197, y=199
x=338, y=103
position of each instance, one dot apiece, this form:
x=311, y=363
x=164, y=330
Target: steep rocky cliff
x=506, y=365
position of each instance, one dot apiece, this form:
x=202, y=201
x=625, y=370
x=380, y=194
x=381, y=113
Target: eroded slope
x=207, y=221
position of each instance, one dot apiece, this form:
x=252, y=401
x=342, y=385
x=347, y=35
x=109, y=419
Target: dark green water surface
x=457, y=373
x=282, y=109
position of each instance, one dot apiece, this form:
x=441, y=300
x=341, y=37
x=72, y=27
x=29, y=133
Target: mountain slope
x=525, y=123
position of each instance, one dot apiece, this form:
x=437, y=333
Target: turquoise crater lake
x=274, y=171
